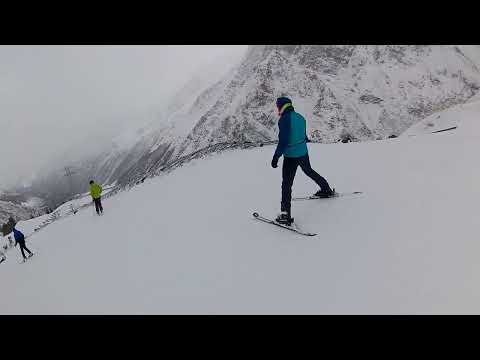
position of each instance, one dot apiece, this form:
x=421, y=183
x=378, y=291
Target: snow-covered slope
x=186, y=242
x=461, y=117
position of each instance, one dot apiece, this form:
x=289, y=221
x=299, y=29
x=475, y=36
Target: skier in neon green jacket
x=96, y=193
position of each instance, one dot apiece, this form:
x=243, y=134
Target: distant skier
x=20, y=239
x=96, y=193
x=292, y=144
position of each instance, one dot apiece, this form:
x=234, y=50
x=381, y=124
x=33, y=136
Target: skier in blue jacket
x=292, y=144
x=20, y=239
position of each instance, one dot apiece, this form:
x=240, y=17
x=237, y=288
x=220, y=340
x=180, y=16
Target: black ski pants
x=288, y=175
x=98, y=205
x=23, y=247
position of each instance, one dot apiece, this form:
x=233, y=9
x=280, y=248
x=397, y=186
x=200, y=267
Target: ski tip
x=255, y=214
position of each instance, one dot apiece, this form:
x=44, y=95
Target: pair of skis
x=294, y=227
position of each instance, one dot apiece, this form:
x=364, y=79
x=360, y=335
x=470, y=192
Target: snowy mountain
x=177, y=112
x=183, y=246
x=130, y=155
x=18, y=212
x=365, y=92
x=19, y=206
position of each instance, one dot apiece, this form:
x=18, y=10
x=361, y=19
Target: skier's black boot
x=325, y=193
x=284, y=218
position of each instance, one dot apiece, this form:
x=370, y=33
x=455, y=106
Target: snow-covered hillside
x=448, y=120
x=186, y=242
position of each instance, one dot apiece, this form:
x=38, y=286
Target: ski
x=273, y=222
x=313, y=197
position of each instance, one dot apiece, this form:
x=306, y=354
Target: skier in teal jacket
x=292, y=144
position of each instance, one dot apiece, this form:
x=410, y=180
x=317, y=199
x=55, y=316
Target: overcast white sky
x=56, y=97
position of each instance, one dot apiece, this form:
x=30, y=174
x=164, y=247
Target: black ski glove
x=274, y=162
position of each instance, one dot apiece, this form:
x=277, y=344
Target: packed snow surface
x=186, y=242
